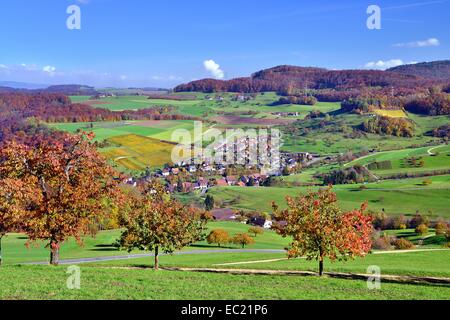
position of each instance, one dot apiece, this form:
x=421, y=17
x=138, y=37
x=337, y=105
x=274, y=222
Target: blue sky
x=164, y=43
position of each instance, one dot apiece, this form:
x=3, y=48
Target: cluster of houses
x=237, y=97
x=286, y=114
x=185, y=178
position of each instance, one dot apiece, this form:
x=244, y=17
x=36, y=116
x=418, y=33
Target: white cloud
x=432, y=42
x=2, y=66
x=49, y=69
x=212, y=67
x=383, y=65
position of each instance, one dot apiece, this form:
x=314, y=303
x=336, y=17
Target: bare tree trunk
x=156, y=258
x=54, y=253
x=321, y=266
x=1, y=237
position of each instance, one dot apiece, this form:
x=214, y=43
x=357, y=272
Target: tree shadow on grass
x=210, y=246
x=105, y=247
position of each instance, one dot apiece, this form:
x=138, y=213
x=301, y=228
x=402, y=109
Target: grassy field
x=435, y=158
x=104, y=283
x=337, y=136
x=261, y=107
x=395, y=196
x=15, y=251
x=136, y=152
x=391, y=113
x=132, y=279
x=136, y=144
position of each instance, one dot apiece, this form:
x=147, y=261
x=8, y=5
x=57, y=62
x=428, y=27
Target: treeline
x=398, y=127
x=433, y=104
x=442, y=131
x=355, y=174
x=434, y=101
x=19, y=112
x=302, y=100
x=279, y=78
x=381, y=165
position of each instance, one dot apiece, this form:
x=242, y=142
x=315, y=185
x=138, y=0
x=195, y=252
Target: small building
x=261, y=222
x=223, y=214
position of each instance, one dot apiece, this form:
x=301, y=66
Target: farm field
x=260, y=108
x=391, y=113
x=396, y=196
x=136, y=145
x=136, y=152
x=336, y=135
x=435, y=158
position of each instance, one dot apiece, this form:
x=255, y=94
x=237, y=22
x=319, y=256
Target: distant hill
x=281, y=77
x=68, y=90
x=439, y=70
x=72, y=90
x=22, y=85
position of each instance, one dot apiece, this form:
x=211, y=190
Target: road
x=145, y=255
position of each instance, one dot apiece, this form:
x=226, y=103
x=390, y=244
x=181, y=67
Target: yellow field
x=136, y=152
x=391, y=113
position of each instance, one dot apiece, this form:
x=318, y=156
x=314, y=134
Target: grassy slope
x=396, y=196
x=15, y=251
x=146, y=284
x=439, y=160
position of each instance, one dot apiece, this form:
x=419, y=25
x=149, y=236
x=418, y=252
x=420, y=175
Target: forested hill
x=432, y=70
x=282, y=77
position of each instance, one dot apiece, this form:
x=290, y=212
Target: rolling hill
x=438, y=70
x=409, y=77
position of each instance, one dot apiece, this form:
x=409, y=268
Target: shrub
x=256, y=231
x=422, y=229
x=400, y=222
x=403, y=244
x=382, y=221
x=418, y=220
x=219, y=237
x=243, y=239
x=427, y=182
x=441, y=228
x=382, y=243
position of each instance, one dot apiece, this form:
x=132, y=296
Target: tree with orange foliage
x=155, y=222
x=14, y=196
x=68, y=187
x=243, y=239
x=320, y=229
x=219, y=237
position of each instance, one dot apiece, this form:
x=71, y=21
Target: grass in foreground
x=49, y=283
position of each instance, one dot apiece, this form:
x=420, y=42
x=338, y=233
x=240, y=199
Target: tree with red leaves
x=321, y=230
x=59, y=187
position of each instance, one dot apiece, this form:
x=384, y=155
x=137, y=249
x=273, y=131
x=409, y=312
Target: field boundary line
x=339, y=275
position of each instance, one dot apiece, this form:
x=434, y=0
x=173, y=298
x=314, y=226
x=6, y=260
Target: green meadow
x=435, y=158
x=394, y=196
x=105, y=283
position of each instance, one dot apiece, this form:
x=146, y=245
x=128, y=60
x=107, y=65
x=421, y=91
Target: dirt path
x=284, y=259
x=340, y=275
